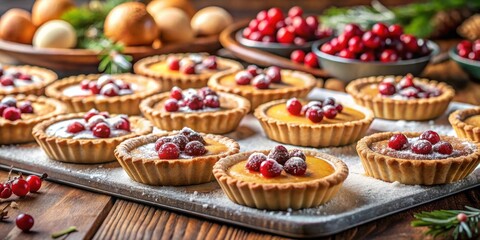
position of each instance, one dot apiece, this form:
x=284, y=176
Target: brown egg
x=174, y=25
x=211, y=21
x=46, y=10
x=155, y=6
x=16, y=26
x=131, y=24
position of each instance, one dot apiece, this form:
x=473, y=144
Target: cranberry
x=274, y=15
x=422, y=147
x=122, y=124
x=464, y=44
x=26, y=107
x=409, y=93
x=339, y=107
x=211, y=101
x=474, y=56
x=262, y=15
x=330, y=112
x=35, y=182
x=25, y=77
x=6, y=81
x=274, y=74
x=176, y=93
x=12, y=114
x=210, y=62
x=254, y=161
x=20, y=187
x=329, y=101
x=380, y=30
x=295, y=166
x=443, y=147
x=410, y=42
x=285, y=35
x=386, y=88
x=2, y=108
x=110, y=90
x=94, y=88
x=351, y=30
x=266, y=28
x=253, y=25
x=463, y=53
x=355, y=44
x=299, y=41
x=24, y=222
x=345, y=53
x=173, y=63
x=298, y=153
x=476, y=46
x=101, y=130
x=168, y=150
x=9, y=101
x=194, y=102
x=328, y=49
x=180, y=140
x=6, y=192
x=171, y=105
x=84, y=84
x=188, y=68
x=295, y=11
x=367, y=56
x=161, y=141
x=389, y=55
x=90, y=114
x=247, y=32
x=294, y=106
x=369, y=39
x=75, y=127
x=407, y=82
x=430, y=136
x=270, y=168
x=297, y=56
x=195, y=148
x=280, y=154
x=206, y=91
x=395, y=31
x=342, y=41
x=312, y=104
x=123, y=85
x=311, y=60
x=243, y=78
x=268, y=39
x=312, y=22
x=261, y=81
x=253, y=70
x=301, y=27
x=255, y=36
x=397, y=141
x=314, y=114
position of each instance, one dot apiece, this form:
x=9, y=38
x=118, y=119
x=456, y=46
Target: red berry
x=274, y=74
x=430, y=136
x=255, y=36
x=312, y=22
x=268, y=39
x=475, y=56
x=345, y=53
x=247, y=32
x=75, y=127
x=328, y=49
x=386, y=88
x=94, y=88
x=298, y=153
x=90, y=114
x=35, y=182
x=280, y=24
x=168, y=150
x=274, y=15
x=311, y=60
x=443, y=147
x=270, y=168
x=210, y=62
x=280, y=154
x=6, y=81
x=122, y=124
x=262, y=15
x=407, y=82
x=370, y=40
x=261, y=81
x=342, y=41
x=397, y=141
x=254, y=161
x=297, y=56
x=85, y=84
x=339, y=107
x=422, y=147
x=101, y=130
x=9, y=101
x=294, y=106
x=330, y=112
x=171, y=105
x=206, y=91
x=176, y=93
x=253, y=70
x=195, y=148
x=188, y=68
x=24, y=222
x=20, y=187
x=110, y=90
x=253, y=25
x=194, y=102
x=295, y=11
x=389, y=55
x=367, y=57
x=180, y=140
x=301, y=27
x=26, y=107
x=285, y=35
x=266, y=28
x=2, y=108
x=12, y=114
x=410, y=42
x=395, y=31
x=351, y=30
x=211, y=101
x=380, y=30
x=314, y=114
x=173, y=63
x=243, y=78
x=25, y=77
x=299, y=41
x=295, y=166
x=462, y=217
x=161, y=141
x=329, y=101
x=464, y=44
x=355, y=44
x=6, y=192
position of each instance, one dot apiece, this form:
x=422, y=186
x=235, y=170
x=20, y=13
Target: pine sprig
x=460, y=224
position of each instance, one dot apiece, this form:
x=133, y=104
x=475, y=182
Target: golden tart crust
x=463, y=128
x=169, y=79
x=313, y=135
x=20, y=131
x=173, y=172
x=395, y=109
x=125, y=104
x=260, y=96
x=276, y=196
x=46, y=75
x=85, y=151
x=216, y=122
x=411, y=171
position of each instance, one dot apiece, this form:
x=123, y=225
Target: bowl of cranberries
x=275, y=32
x=381, y=50
x=467, y=55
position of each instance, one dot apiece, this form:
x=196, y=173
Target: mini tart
x=411, y=171
x=234, y=108
x=171, y=172
x=86, y=151
x=395, y=109
x=302, y=84
x=20, y=131
x=47, y=76
x=328, y=133
x=125, y=104
x=169, y=78
x=280, y=196
x=466, y=128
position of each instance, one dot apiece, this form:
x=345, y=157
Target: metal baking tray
x=361, y=199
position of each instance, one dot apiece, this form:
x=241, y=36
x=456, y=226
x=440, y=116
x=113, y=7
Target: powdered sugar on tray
x=359, y=200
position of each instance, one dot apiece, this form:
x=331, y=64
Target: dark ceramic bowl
x=471, y=67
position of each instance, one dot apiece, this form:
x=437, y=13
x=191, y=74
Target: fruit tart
x=118, y=94
x=24, y=80
x=466, y=123
x=425, y=158
x=315, y=123
x=20, y=113
x=402, y=97
x=203, y=110
x=176, y=158
x=280, y=179
x=263, y=85
x=185, y=70
x=87, y=137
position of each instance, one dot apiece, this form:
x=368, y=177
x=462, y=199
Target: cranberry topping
x=212, y=101
x=261, y=81
x=330, y=111
x=279, y=154
x=173, y=63
x=298, y=153
x=195, y=148
x=254, y=161
x=171, y=105
x=422, y=147
x=6, y=81
x=206, y=91
x=122, y=124
x=162, y=141
x=430, y=136
x=12, y=114
x=398, y=141
x=274, y=74
x=387, y=88
x=90, y=114
x=176, y=93
x=443, y=147
x=181, y=141
x=75, y=127
x=101, y=130
x=168, y=151
x=270, y=168
x=294, y=106
x=295, y=166
x=26, y=107
x=210, y=62
x=2, y=108
x=314, y=114
x=243, y=78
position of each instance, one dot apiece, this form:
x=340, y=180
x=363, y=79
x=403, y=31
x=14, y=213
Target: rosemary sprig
x=111, y=58
x=460, y=224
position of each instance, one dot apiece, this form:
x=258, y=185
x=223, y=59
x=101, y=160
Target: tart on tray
x=177, y=158
x=418, y=158
x=314, y=124
x=202, y=110
x=263, y=85
x=466, y=123
x=402, y=97
x=24, y=80
x=185, y=70
x=87, y=137
x=20, y=113
x=280, y=179
x=118, y=94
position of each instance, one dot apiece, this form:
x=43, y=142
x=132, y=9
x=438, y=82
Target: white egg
x=55, y=34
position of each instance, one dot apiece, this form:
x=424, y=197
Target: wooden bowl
x=86, y=61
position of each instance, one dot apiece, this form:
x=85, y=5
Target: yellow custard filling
x=287, y=81
x=473, y=120
x=316, y=168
